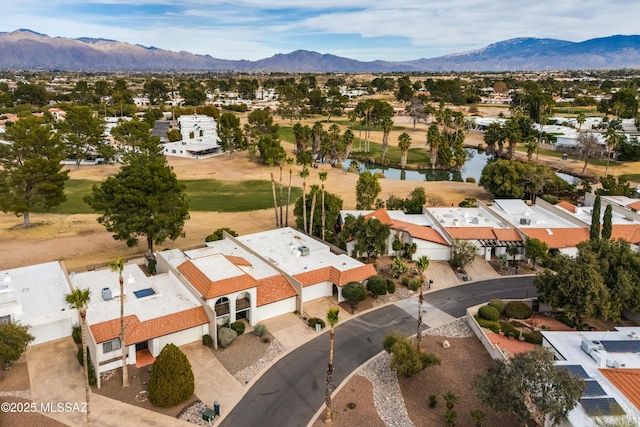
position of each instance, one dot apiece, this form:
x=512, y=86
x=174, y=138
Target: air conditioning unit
x=525, y=221
x=304, y=250
x=106, y=294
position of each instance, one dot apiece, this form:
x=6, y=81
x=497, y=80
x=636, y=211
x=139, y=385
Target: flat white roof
x=169, y=296
x=258, y=268
x=281, y=247
x=35, y=292
x=466, y=217
x=417, y=219
x=515, y=210
x=583, y=213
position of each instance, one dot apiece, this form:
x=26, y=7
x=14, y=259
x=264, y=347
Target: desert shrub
x=377, y=285
x=554, y=200
x=218, y=234
x=413, y=284
x=151, y=266
x=390, y=339
x=518, y=310
x=207, y=340
x=498, y=304
x=470, y=179
x=92, y=370
x=238, y=327
x=433, y=401
x=266, y=340
x=429, y=359
x=226, y=336
x=398, y=267
x=488, y=312
x=354, y=293
x=171, y=381
x=391, y=286
x=259, y=329
x=314, y=320
x=76, y=334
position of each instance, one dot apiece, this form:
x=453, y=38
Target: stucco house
x=35, y=296
x=158, y=310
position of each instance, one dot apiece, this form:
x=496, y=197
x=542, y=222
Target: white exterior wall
x=232, y=305
x=181, y=338
x=324, y=289
x=49, y=328
x=572, y=252
x=274, y=309
x=434, y=251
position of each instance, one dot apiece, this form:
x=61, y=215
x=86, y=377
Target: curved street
x=293, y=389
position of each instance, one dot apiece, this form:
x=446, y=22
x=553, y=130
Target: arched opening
x=222, y=311
x=243, y=306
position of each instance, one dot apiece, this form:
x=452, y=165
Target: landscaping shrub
x=151, y=266
x=314, y=320
x=412, y=284
x=405, y=358
x=398, y=267
x=238, y=327
x=377, y=285
x=489, y=313
x=390, y=339
x=433, y=401
x=76, y=334
x=92, y=371
x=354, y=293
x=498, y=304
x=226, y=336
x=171, y=381
x=429, y=359
x=259, y=329
x=207, y=340
x=489, y=324
x=391, y=286
x=518, y=310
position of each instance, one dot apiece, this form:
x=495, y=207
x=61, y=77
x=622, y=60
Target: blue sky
x=360, y=29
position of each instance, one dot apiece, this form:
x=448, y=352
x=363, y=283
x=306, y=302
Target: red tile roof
x=627, y=381
x=381, y=215
x=211, y=289
x=635, y=206
x=238, y=260
x=567, y=206
x=507, y=234
x=561, y=237
x=336, y=276
x=137, y=331
x=420, y=232
x=274, y=288
x=627, y=232
x=471, y=233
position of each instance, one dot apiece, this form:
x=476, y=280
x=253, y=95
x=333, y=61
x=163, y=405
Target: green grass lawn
x=416, y=155
x=204, y=195
x=633, y=177
x=558, y=154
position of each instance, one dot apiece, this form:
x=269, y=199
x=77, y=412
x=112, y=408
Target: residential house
x=35, y=296
x=199, y=138
x=158, y=310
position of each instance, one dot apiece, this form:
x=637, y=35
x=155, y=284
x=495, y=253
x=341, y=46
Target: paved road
x=291, y=391
x=455, y=300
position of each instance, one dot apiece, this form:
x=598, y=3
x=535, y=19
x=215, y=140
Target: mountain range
x=29, y=50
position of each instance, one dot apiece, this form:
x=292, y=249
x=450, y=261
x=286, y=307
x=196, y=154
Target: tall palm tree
x=281, y=195
x=404, y=143
x=275, y=200
x=316, y=134
x=433, y=139
x=513, y=251
x=79, y=299
x=347, y=139
x=313, y=207
x=581, y=119
x=286, y=221
x=421, y=264
x=323, y=178
x=387, y=125
x=332, y=321
x=611, y=138
x=304, y=173
x=118, y=265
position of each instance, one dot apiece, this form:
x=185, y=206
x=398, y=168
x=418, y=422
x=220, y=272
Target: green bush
x=377, y=285
x=92, y=370
x=171, y=381
x=498, y=304
x=390, y=339
x=226, y=336
x=413, y=284
x=489, y=324
x=489, y=313
x=391, y=286
x=470, y=179
x=314, y=320
x=76, y=334
x=433, y=401
x=151, y=266
x=429, y=359
x=354, y=293
x=259, y=329
x=518, y=310
x=238, y=327
x=207, y=340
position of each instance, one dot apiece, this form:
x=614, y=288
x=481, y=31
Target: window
x=110, y=346
x=5, y=319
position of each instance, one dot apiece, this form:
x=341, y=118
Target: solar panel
x=601, y=406
x=593, y=389
x=621, y=346
x=576, y=370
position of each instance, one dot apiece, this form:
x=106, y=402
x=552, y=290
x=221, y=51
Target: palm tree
x=281, y=195
x=323, y=178
x=347, y=139
x=313, y=207
x=421, y=264
x=316, y=134
x=79, y=299
x=611, y=138
x=433, y=139
x=332, y=321
x=513, y=251
x=451, y=398
x=387, y=125
x=478, y=416
x=404, y=142
x=118, y=265
x=275, y=200
x=286, y=221
x=304, y=173
x=581, y=119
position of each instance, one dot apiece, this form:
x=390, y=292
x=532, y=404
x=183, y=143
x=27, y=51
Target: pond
x=472, y=169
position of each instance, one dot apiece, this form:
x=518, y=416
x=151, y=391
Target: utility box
x=208, y=415
x=216, y=408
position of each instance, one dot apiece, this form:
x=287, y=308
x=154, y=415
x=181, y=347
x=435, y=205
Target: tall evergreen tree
x=594, y=230
x=607, y=223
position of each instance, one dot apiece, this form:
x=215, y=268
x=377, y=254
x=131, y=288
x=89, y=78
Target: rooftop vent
x=106, y=294
x=131, y=279
x=525, y=221
x=6, y=278
x=304, y=250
